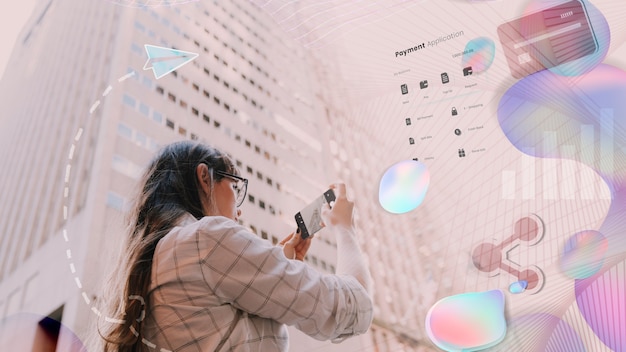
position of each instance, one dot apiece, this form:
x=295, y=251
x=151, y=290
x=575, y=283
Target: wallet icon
x=423, y=84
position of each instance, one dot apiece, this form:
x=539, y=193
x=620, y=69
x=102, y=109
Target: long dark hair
x=169, y=189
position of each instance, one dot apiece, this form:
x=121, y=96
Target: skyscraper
x=81, y=119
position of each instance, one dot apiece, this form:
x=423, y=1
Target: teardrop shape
x=518, y=286
x=403, y=186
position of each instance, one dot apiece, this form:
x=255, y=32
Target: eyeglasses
x=241, y=187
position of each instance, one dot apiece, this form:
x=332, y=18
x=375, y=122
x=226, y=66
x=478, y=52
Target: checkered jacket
x=212, y=277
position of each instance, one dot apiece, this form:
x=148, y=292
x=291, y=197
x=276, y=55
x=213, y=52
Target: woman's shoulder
x=216, y=227
x=204, y=233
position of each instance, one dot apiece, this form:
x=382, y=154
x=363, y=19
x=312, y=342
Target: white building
x=81, y=118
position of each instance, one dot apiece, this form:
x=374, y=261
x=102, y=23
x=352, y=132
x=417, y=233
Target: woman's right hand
x=341, y=213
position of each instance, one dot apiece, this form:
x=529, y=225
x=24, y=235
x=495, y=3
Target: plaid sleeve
x=253, y=275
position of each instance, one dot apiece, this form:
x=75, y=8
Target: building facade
x=81, y=119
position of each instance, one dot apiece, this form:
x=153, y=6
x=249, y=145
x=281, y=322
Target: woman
x=196, y=280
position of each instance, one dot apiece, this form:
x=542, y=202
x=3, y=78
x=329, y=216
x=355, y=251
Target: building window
x=183, y=104
x=146, y=82
x=136, y=49
x=206, y=117
x=169, y=123
x=216, y=100
x=195, y=111
x=128, y=100
x=140, y=26
x=126, y=167
x=157, y=117
x=269, y=181
x=249, y=169
x=171, y=97
x=144, y=109
x=257, y=149
x=141, y=139
x=182, y=131
x=124, y=131
x=259, y=175
x=262, y=204
x=264, y=235
x=195, y=87
x=160, y=90
x=248, y=144
x=194, y=137
x=251, y=198
x=239, y=163
x=115, y=201
x=216, y=123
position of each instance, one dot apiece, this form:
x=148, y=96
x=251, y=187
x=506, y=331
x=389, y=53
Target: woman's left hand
x=295, y=247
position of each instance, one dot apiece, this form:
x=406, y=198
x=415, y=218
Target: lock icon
x=454, y=113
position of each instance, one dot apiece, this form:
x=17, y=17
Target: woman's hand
x=341, y=213
x=295, y=247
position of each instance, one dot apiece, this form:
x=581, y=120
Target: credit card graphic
x=547, y=38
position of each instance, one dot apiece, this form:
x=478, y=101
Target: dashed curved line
x=68, y=251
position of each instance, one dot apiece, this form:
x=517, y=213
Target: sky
x=11, y=23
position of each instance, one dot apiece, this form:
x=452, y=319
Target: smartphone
x=309, y=219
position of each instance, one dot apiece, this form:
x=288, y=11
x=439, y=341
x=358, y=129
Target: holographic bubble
x=518, y=286
x=569, y=44
x=468, y=321
x=583, y=254
x=601, y=300
x=403, y=186
x=150, y=3
x=479, y=54
x=540, y=332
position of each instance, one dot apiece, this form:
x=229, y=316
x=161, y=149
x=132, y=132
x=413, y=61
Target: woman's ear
x=204, y=178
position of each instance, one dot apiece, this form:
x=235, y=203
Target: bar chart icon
x=560, y=176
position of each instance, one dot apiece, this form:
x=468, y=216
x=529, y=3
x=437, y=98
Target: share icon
x=165, y=60
x=494, y=258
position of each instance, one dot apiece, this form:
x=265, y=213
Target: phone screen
x=309, y=219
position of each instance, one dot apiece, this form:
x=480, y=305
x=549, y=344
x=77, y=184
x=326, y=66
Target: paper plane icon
x=165, y=60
